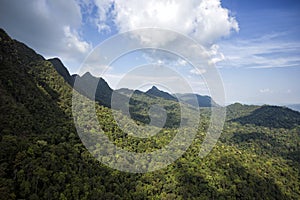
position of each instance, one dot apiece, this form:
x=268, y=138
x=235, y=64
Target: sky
x=254, y=45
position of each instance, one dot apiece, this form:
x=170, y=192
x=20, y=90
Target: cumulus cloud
x=104, y=6
x=50, y=27
x=53, y=28
x=72, y=41
x=204, y=20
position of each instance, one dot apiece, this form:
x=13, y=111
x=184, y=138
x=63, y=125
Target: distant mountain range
x=269, y=116
x=139, y=101
x=104, y=92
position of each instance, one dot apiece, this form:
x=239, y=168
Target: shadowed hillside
x=42, y=156
x=271, y=116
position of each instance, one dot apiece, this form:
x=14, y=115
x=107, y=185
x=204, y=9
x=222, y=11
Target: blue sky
x=269, y=34
x=255, y=45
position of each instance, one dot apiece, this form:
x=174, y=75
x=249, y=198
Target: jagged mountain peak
x=154, y=88
x=88, y=74
x=154, y=91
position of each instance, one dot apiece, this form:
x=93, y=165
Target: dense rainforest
x=42, y=156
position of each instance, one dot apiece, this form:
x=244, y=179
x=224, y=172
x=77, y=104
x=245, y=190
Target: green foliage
x=272, y=116
x=238, y=110
x=42, y=157
x=140, y=104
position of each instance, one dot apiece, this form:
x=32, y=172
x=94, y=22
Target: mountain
x=238, y=110
x=42, y=156
x=104, y=92
x=28, y=103
x=138, y=102
x=94, y=88
x=264, y=129
x=128, y=92
x=62, y=70
x=271, y=116
x=201, y=101
x=85, y=84
x=154, y=91
x=125, y=91
x=98, y=89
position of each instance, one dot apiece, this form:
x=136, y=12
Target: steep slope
x=42, y=157
x=62, y=70
x=139, y=103
x=85, y=84
x=27, y=104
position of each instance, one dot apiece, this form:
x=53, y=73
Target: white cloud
x=197, y=71
x=181, y=62
x=72, y=41
x=53, y=28
x=267, y=51
x=103, y=14
x=215, y=55
x=266, y=90
x=50, y=27
x=204, y=20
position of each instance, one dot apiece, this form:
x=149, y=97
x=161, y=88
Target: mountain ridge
x=272, y=117
x=202, y=101
x=154, y=91
x=42, y=156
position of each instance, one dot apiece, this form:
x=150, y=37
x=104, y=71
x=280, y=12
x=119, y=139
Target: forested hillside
x=42, y=157
x=272, y=116
x=139, y=102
